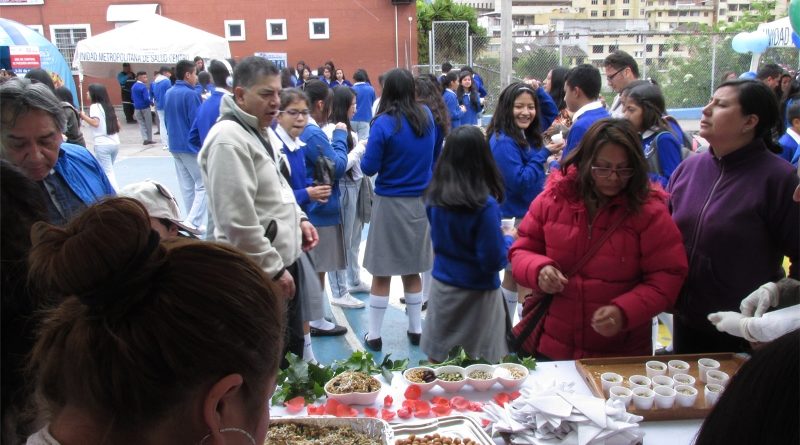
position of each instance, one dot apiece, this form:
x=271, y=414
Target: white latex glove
x=761, y=299
x=772, y=325
x=727, y=322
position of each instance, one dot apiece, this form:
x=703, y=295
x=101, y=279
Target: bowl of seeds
x=451, y=378
x=422, y=376
x=481, y=377
x=353, y=388
x=511, y=375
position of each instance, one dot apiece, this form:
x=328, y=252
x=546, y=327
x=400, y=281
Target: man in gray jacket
x=251, y=201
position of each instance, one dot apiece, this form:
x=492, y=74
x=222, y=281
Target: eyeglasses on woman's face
x=605, y=172
x=295, y=113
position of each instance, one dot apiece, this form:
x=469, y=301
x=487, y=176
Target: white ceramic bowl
x=609, y=379
x=620, y=393
x=481, y=384
x=424, y=386
x=662, y=380
x=354, y=398
x=665, y=397
x=684, y=379
x=643, y=398
x=685, y=396
x=704, y=365
x=654, y=368
x=639, y=381
x=718, y=377
x=677, y=367
x=511, y=375
x=451, y=386
x=712, y=392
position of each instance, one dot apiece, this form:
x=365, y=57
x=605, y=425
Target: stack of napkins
x=555, y=414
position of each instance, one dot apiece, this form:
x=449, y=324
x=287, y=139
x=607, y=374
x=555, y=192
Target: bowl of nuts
x=451, y=378
x=422, y=376
x=353, y=388
x=511, y=375
x=481, y=377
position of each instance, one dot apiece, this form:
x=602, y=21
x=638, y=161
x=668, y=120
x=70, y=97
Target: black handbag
x=324, y=171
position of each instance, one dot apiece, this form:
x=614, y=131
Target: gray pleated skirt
x=399, y=238
x=329, y=256
x=309, y=290
x=473, y=319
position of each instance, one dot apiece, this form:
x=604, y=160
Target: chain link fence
x=687, y=66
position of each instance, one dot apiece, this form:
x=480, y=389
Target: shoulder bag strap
x=279, y=160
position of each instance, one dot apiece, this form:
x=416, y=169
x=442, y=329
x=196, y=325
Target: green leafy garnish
x=362, y=361
x=458, y=357
x=301, y=378
x=528, y=362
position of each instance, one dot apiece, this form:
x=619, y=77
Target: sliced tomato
x=459, y=403
x=476, y=406
x=346, y=411
x=387, y=401
x=404, y=413
x=413, y=392
x=387, y=414
x=331, y=406
x=501, y=398
x=371, y=412
x=295, y=405
x=441, y=410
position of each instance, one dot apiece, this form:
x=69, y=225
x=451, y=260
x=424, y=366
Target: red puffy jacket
x=640, y=268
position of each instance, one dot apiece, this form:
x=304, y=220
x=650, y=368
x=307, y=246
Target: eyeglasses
x=605, y=172
x=295, y=113
x=611, y=77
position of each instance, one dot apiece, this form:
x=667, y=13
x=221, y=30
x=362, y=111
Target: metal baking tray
x=374, y=428
x=461, y=427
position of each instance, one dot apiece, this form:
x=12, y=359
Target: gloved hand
x=727, y=322
x=761, y=299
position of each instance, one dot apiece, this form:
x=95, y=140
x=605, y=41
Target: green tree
x=444, y=10
x=536, y=63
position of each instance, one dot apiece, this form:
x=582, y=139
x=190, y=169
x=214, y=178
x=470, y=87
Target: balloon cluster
x=750, y=42
x=794, y=19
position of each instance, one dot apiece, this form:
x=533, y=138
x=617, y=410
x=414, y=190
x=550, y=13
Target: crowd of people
x=598, y=218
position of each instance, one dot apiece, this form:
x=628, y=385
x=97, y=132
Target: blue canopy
x=16, y=34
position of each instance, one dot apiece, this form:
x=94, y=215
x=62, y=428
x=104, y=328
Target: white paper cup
x=717, y=377
x=609, y=379
x=677, y=367
x=685, y=395
x=704, y=365
x=684, y=379
x=639, y=381
x=557, y=138
x=662, y=380
x=664, y=397
x=507, y=223
x=643, y=398
x=654, y=368
x=712, y=392
x=620, y=393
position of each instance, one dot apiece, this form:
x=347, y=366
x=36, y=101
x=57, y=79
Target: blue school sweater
x=580, y=126
x=523, y=173
x=365, y=96
x=789, y=147
x=451, y=100
x=402, y=160
x=669, y=155
x=470, y=117
x=317, y=144
x=469, y=247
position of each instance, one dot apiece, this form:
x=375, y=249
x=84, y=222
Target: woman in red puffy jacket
x=606, y=307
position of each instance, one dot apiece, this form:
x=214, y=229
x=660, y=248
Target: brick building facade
x=372, y=34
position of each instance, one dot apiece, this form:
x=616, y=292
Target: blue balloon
x=758, y=42
x=796, y=39
x=739, y=43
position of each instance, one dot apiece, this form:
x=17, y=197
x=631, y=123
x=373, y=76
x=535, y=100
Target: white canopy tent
x=146, y=44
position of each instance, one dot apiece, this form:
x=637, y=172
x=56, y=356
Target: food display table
x=676, y=432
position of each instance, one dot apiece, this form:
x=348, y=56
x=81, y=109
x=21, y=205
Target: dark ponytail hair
x=340, y=105
x=317, y=90
x=99, y=95
x=757, y=98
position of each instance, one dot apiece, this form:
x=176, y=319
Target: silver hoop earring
x=230, y=430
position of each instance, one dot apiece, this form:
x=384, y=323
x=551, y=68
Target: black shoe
x=375, y=344
x=402, y=300
x=425, y=306
x=148, y=142
x=130, y=121
x=414, y=338
x=336, y=330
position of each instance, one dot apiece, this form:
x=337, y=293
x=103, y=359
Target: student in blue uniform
x=469, y=97
x=470, y=248
x=450, y=85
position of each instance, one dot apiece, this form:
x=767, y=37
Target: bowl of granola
x=422, y=376
x=353, y=388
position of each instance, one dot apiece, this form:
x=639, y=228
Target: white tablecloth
x=679, y=432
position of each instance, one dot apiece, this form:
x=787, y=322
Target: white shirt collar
x=790, y=131
x=359, y=83
x=291, y=144
x=588, y=107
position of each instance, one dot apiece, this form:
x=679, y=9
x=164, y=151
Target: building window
x=593, y=14
x=604, y=14
x=612, y=48
x=649, y=48
x=67, y=36
x=37, y=28
x=611, y=14
x=626, y=12
x=626, y=2
x=276, y=29
x=594, y=2
x=597, y=49
x=234, y=30
x=318, y=29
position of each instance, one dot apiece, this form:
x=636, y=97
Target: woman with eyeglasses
x=600, y=195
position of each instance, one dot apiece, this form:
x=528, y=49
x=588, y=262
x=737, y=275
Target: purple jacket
x=738, y=221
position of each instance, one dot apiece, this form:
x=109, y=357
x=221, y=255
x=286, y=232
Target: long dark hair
x=503, y=118
x=557, y=91
x=474, y=97
x=428, y=93
x=318, y=90
x=610, y=131
x=649, y=98
x=99, y=95
x=340, y=105
x=399, y=101
x=465, y=173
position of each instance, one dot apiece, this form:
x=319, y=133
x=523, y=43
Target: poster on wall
x=279, y=59
x=24, y=58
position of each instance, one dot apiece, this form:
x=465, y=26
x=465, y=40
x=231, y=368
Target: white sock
x=427, y=280
x=414, y=310
x=511, y=301
x=377, y=309
x=322, y=323
x=308, y=350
